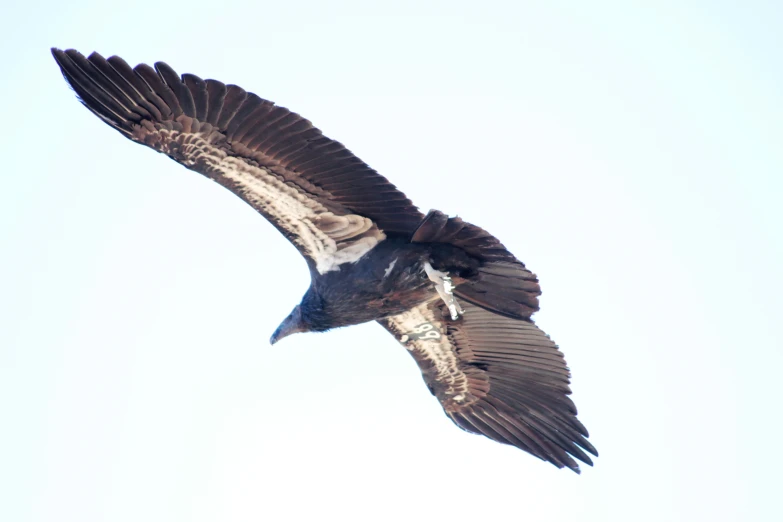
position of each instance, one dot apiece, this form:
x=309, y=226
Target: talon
x=444, y=287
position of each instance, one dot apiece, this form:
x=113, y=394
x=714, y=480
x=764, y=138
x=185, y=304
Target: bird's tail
x=502, y=284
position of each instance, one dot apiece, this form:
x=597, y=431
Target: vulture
x=455, y=298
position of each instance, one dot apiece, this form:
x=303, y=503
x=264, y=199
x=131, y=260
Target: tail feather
x=437, y=227
x=501, y=284
x=513, y=294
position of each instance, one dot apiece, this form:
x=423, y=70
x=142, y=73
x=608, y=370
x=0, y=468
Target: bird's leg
x=445, y=288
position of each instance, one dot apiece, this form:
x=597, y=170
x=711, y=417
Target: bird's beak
x=291, y=325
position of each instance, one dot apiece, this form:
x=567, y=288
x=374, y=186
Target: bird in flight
x=447, y=290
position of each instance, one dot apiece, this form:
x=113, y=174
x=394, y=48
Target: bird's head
x=292, y=324
x=311, y=315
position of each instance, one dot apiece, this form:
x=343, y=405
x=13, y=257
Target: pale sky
x=630, y=155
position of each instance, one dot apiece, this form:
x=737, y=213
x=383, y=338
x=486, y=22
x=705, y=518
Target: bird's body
x=389, y=280
x=449, y=291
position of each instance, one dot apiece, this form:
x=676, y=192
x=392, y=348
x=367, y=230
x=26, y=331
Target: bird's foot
x=445, y=288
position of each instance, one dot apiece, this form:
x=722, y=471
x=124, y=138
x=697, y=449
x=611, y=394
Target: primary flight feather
x=449, y=291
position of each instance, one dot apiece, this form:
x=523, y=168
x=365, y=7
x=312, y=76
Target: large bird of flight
x=447, y=290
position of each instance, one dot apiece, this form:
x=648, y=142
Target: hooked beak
x=290, y=325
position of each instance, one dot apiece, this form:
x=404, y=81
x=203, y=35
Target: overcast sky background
x=631, y=156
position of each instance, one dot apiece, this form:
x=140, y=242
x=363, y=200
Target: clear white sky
x=631, y=156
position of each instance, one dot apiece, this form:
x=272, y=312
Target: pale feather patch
x=438, y=350
x=328, y=239
x=389, y=270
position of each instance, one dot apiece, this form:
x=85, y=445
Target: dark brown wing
x=497, y=376
x=325, y=200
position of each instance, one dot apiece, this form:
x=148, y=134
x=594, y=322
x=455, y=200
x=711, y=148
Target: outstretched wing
x=496, y=376
x=326, y=201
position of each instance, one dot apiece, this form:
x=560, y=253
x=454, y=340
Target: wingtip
x=63, y=55
x=56, y=51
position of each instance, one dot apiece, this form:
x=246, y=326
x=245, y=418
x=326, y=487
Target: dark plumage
x=449, y=291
